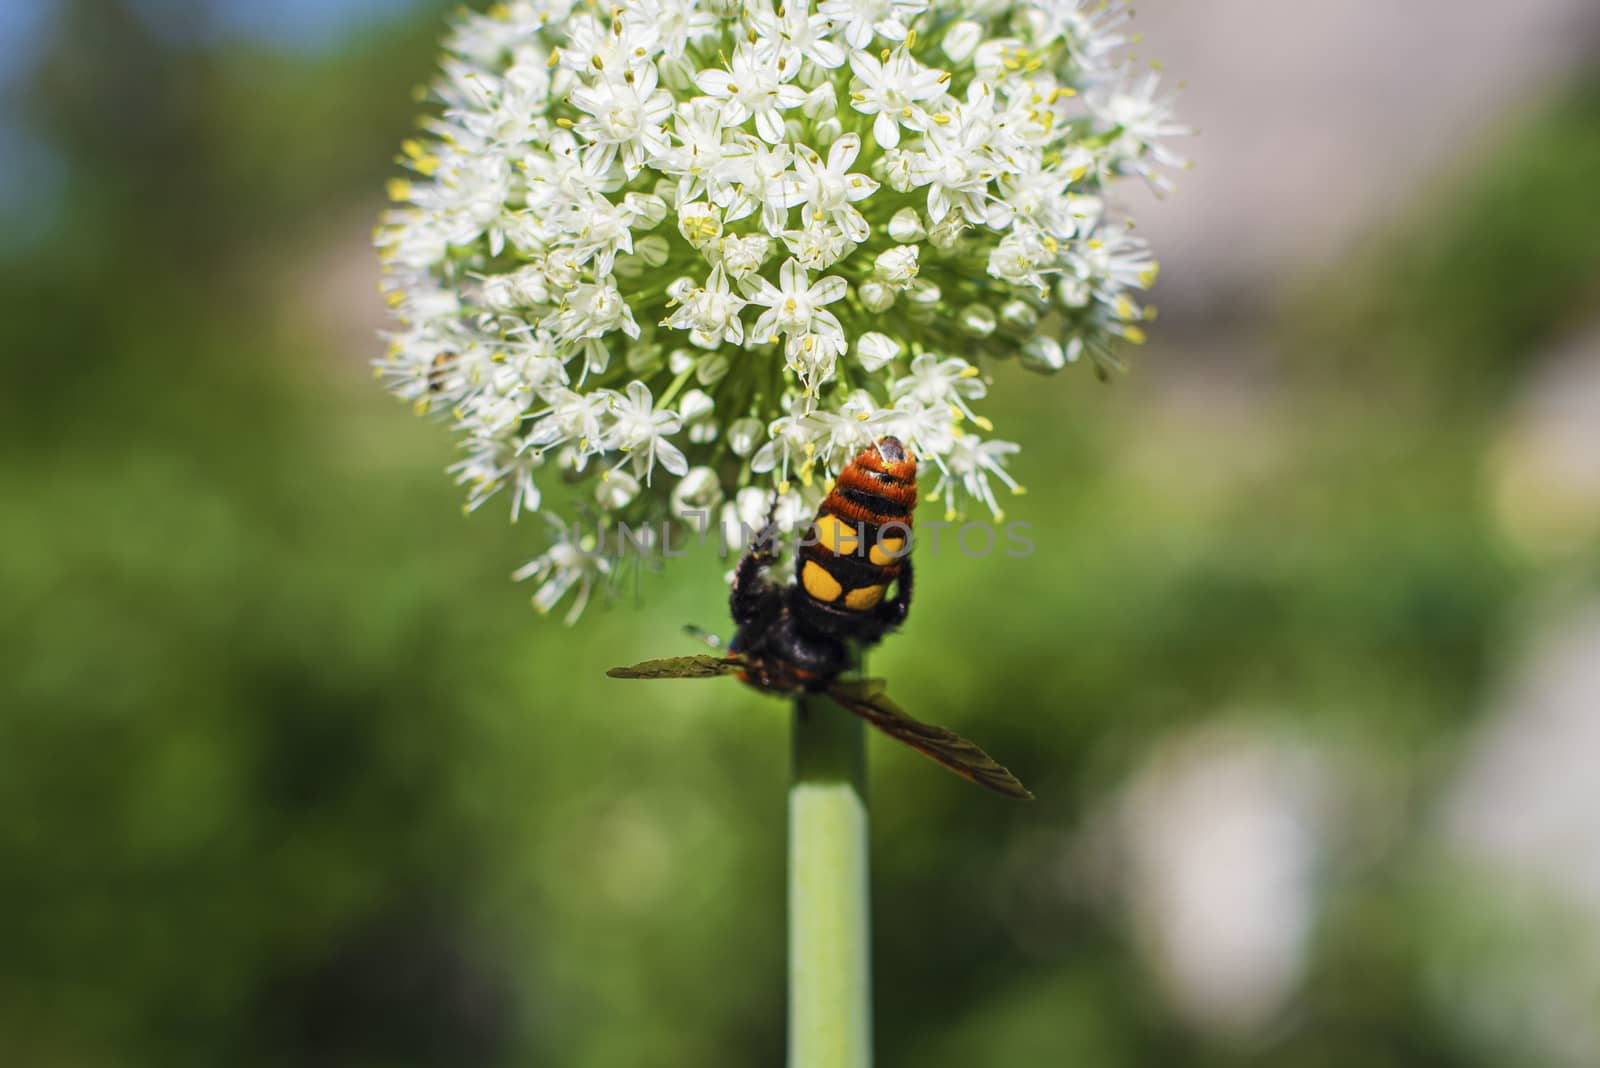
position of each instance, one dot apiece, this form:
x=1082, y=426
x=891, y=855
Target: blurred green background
x=1305, y=672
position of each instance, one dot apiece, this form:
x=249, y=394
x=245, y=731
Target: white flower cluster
x=665, y=257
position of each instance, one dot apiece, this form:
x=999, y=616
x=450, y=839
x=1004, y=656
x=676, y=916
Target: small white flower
x=893, y=90
x=829, y=191
x=962, y=39
x=699, y=223
x=796, y=308
x=1088, y=28
x=1021, y=258
x=896, y=266
x=626, y=115
x=859, y=20
x=792, y=446
x=641, y=431
x=1045, y=355
x=561, y=568
x=791, y=33
x=702, y=146
x=743, y=256
x=1143, y=123
x=893, y=272
x=755, y=177
x=847, y=431
x=711, y=313
x=928, y=429
x=818, y=245
x=674, y=24
x=752, y=87
x=822, y=103
x=591, y=311
x=972, y=461
x=950, y=382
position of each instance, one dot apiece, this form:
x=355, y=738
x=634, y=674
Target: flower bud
x=712, y=368
x=876, y=296
x=978, y=320
x=697, y=409
x=699, y=223
x=646, y=209
x=961, y=40
x=821, y=103
x=947, y=231
x=874, y=350
x=1073, y=292
x=744, y=435
x=652, y=250
x=906, y=226
x=616, y=491
x=743, y=256
x=897, y=266
x=1043, y=355
x=643, y=359
x=1018, y=316
x=696, y=497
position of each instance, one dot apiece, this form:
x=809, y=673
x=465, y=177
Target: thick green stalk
x=830, y=955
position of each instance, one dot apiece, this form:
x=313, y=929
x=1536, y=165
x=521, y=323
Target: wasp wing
x=865, y=697
x=681, y=667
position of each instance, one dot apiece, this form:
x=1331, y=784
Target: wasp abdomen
x=862, y=532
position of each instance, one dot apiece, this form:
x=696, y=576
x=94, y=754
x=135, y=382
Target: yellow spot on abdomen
x=837, y=536
x=866, y=597
x=880, y=553
x=820, y=584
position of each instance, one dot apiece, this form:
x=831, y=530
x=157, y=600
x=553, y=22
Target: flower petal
x=828, y=290
x=792, y=276
x=885, y=130
x=715, y=82
x=844, y=152
x=671, y=458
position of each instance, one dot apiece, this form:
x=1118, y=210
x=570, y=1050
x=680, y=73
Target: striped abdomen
x=862, y=532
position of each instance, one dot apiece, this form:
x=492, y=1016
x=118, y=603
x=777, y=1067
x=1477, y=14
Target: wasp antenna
x=766, y=541
x=700, y=634
x=772, y=513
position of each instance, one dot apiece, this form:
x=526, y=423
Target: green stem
x=830, y=955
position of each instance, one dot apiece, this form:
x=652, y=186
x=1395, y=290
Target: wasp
x=439, y=369
x=801, y=637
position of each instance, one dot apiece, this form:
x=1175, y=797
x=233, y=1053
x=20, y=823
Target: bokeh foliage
x=290, y=773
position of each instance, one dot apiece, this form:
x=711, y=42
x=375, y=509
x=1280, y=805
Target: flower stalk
x=830, y=953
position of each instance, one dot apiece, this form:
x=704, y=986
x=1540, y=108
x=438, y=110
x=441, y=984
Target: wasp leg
x=754, y=598
x=893, y=613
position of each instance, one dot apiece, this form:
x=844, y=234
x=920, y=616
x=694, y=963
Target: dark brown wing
x=865, y=697
x=681, y=667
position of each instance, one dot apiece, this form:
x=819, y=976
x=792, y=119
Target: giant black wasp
x=797, y=637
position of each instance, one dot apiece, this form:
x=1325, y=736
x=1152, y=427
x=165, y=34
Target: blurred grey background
x=1306, y=671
